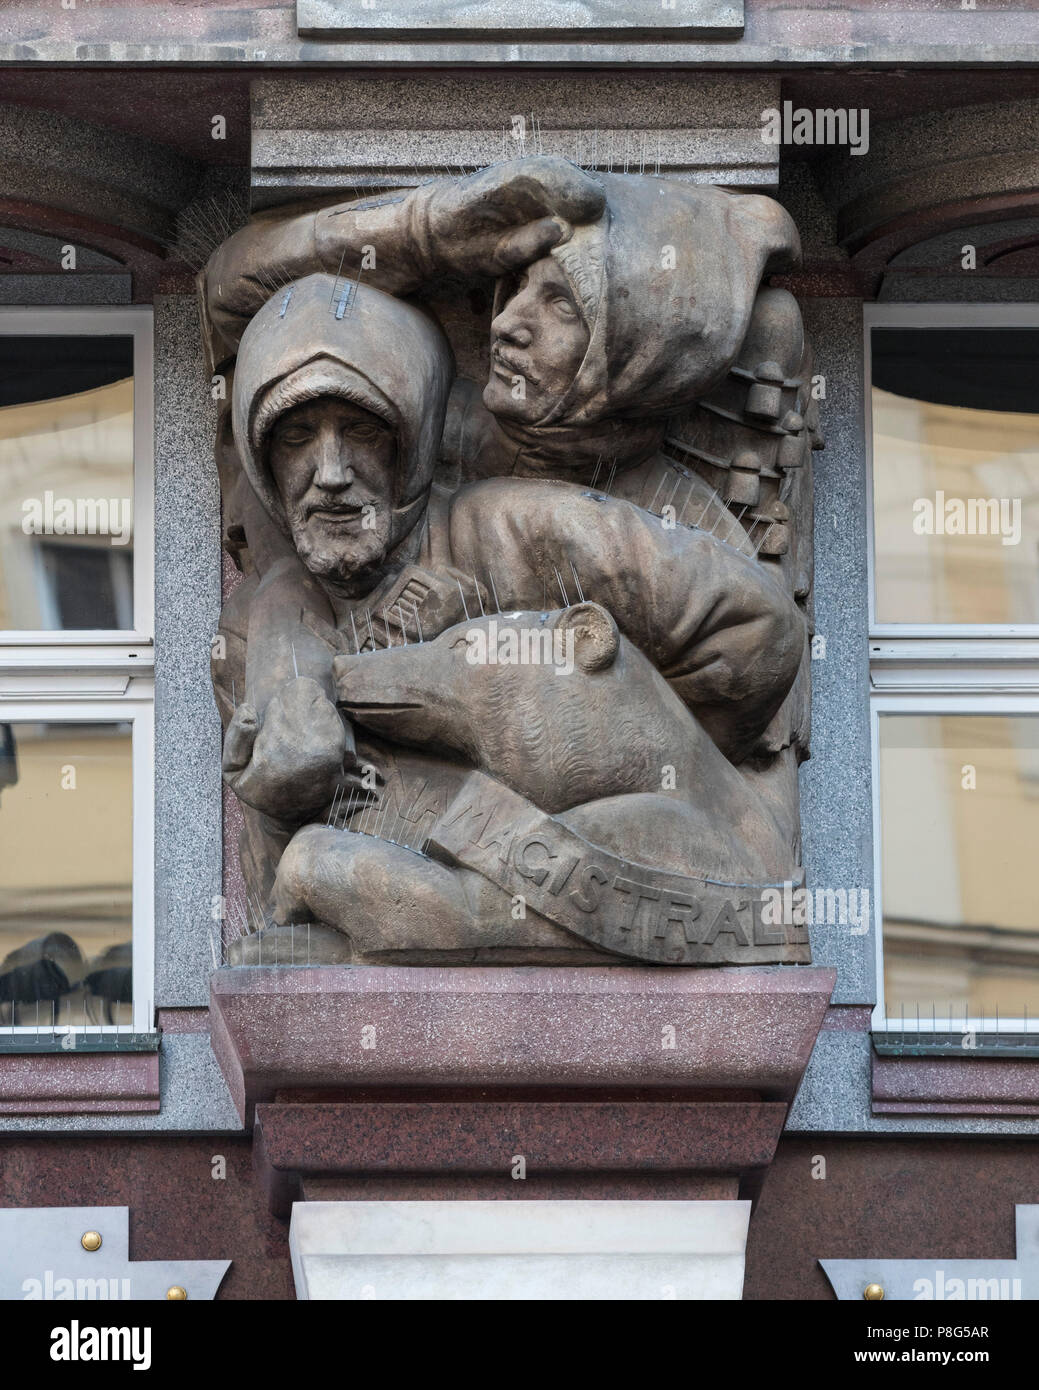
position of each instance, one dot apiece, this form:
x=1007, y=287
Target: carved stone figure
x=516, y=674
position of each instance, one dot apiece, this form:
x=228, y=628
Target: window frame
x=938, y=668
x=100, y=675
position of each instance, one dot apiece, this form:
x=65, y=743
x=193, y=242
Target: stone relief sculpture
x=517, y=670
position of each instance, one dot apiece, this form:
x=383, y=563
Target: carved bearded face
x=333, y=464
x=538, y=343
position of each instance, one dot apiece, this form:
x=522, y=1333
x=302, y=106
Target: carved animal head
x=559, y=705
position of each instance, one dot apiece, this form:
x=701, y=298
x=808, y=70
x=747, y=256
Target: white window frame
x=99, y=676
x=938, y=668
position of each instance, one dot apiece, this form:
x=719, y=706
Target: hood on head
x=377, y=352
x=661, y=335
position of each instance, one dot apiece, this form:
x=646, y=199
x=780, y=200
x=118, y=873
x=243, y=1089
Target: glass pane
x=956, y=475
x=959, y=805
x=66, y=483
x=66, y=858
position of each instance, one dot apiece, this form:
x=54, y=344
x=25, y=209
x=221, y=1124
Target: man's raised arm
x=484, y=224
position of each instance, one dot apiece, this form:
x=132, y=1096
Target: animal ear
x=596, y=638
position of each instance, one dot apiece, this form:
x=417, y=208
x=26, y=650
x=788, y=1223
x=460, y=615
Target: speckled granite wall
x=187, y=607
x=918, y=1199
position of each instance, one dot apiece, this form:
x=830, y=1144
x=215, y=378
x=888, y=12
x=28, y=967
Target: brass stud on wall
x=873, y=1293
x=90, y=1240
x=176, y=1293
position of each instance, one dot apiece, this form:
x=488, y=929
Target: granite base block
x=297, y=1147
x=336, y=1032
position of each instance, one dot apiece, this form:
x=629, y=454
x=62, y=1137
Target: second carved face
x=538, y=342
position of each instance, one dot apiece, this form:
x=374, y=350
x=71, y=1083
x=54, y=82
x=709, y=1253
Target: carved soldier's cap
x=329, y=336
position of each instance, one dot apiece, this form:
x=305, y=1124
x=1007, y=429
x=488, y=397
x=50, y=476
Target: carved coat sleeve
x=712, y=620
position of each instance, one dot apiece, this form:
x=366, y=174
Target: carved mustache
x=511, y=365
x=330, y=508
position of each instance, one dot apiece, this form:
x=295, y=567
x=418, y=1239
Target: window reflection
x=959, y=798
x=66, y=483
x=956, y=475
x=66, y=858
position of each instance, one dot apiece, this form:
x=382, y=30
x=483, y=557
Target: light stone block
x=506, y=1250
x=356, y=131
x=358, y=19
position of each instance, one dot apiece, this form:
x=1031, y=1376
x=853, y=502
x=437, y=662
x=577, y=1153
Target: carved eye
x=563, y=307
x=293, y=436
x=364, y=430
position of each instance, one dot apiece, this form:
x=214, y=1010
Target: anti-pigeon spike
x=345, y=298
x=656, y=494
x=465, y=606
x=418, y=621
x=357, y=642
x=403, y=629
x=764, y=538
x=707, y=507
x=494, y=590
x=688, y=498
x=724, y=512
x=371, y=630
x=559, y=581
x=335, y=282
x=580, y=591
x=295, y=668
x=479, y=597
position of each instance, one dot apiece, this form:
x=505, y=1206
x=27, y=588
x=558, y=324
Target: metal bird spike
x=764, y=538
x=465, y=606
x=479, y=596
x=656, y=494
x=371, y=630
x=335, y=282
x=559, y=581
x=295, y=667
x=357, y=641
x=403, y=629
x=724, y=512
x=580, y=591
x=494, y=590
x=707, y=506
